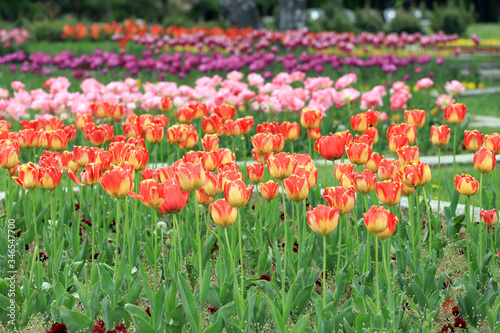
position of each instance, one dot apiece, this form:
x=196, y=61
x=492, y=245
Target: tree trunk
x=242, y=13
x=292, y=14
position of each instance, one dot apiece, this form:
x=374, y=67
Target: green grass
x=484, y=30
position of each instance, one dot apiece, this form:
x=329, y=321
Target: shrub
x=368, y=19
x=405, y=21
x=452, y=18
x=334, y=19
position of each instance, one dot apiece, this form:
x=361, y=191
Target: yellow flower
x=395, y=117
x=435, y=186
x=434, y=111
x=480, y=85
x=415, y=89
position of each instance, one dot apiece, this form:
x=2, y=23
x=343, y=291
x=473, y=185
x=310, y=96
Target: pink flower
x=317, y=83
x=297, y=76
x=424, y=83
x=17, y=85
x=4, y=93
x=398, y=86
x=443, y=101
x=454, y=88
x=399, y=99
x=235, y=76
x=346, y=80
x=15, y=111
x=348, y=95
x=255, y=80
x=371, y=99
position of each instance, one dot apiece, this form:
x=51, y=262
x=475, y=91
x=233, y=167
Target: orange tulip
x=403, y=129
x=387, y=169
x=245, y=124
x=90, y=175
x=117, y=182
x=341, y=169
x=473, y=140
x=269, y=128
x=105, y=157
x=440, y=135
x=166, y=173
x=231, y=128
x=255, y=172
x=373, y=162
x=175, y=198
x=416, y=174
x=185, y=115
x=225, y=111
x=408, y=154
x=269, y=190
x=360, y=122
x=167, y=103
x=489, y=217
x=310, y=118
x=222, y=213
x=151, y=194
x=364, y=182
x=225, y=156
x=331, y=147
x=200, y=110
x=212, y=124
x=213, y=185
x=372, y=132
x=323, y=219
x=50, y=178
x=151, y=174
x=29, y=176
x=190, y=176
x=203, y=199
x=280, y=166
x=455, y=113
x=9, y=156
x=310, y=172
x=397, y=141
x=278, y=143
x=210, y=160
x=358, y=153
x=415, y=118
x=34, y=124
x=484, y=160
x=237, y=193
x=377, y=219
x=177, y=134
x=492, y=142
x=57, y=140
x=29, y=138
x=389, y=192
x=366, y=139
x=160, y=120
x=299, y=160
x=466, y=185
x=347, y=180
x=314, y=134
x=131, y=130
x=191, y=138
x=96, y=135
x=391, y=227
x=262, y=143
x=154, y=133
x=210, y=142
x=340, y=198
x=52, y=124
x=291, y=131
x=71, y=132
x=137, y=157
x=296, y=188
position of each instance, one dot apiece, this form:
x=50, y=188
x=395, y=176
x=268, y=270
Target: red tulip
x=389, y=192
x=296, y=188
x=489, y=217
x=473, y=140
x=455, y=113
x=415, y=118
x=358, y=153
x=236, y=193
x=484, y=160
x=340, y=198
x=117, y=182
x=225, y=111
x=222, y=213
x=210, y=142
x=291, y=131
x=269, y=190
x=190, y=176
x=29, y=176
x=440, y=135
x=151, y=194
x=323, y=219
x=466, y=185
x=255, y=172
x=364, y=182
x=280, y=166
x=175, y=198
x=310, y=118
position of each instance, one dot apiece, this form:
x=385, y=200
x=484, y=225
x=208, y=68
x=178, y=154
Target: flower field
x=227, y=195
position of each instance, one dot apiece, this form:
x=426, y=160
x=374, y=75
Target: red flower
x=473, y=140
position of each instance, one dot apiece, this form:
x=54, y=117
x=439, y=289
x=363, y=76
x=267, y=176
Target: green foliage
x=453, y=18
x=368, y=19
x=334, y=19
x=405, y=22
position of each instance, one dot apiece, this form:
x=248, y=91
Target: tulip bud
x=466, y=185
x=484, y=160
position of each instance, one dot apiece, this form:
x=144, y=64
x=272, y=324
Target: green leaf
x=205, y=284
x=136, y=311
x=301, y=324
x=142, y=325
x=275, y=313
x=106, y=282
x=189, y=304
x=302, y=299
x=420, y=295
x=75, y=321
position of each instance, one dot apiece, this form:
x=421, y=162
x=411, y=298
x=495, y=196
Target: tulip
x=191, y=138
x=132, y=130
x=403, y=129
x=364, y=182
x=160, y=120
x=225, y=111
x=415, y=118
x=269, y=128
x=90, y=175
x=71, y=132
x=225, y=156
x=278, y=143
x=341, y=198
x=137, y=157
x=210, y=142
x=28, y=138
x=262, y=143
x=440, y=135
x=455, y=113
x=231, y=128
x=185, y=115
x=57, y=140
x=360, y=122
x=466, y=184
x=492, y=142
x=388, y=169
x=117, y=182
x=200, y=110
x=177, y=134
x=314, y=134
x=397, y=141
x=341, y=169
x=473, y=140
x=236, y=193
x=358, y=153
x=372, y=132
x=52, y=124
x=167, y=103
x=291, y=131
x=83, y=118
x=9, y=156
x=310, y=118
x=154, y=133
x=408, y=154
x=489, y=217
x=323, y=219
x=296, y=188
x=152, y=194
x=377, y=219
x=391, y=227
x=255, y=172
x=151, y=174
x=29, y=176
x=373, y=162
x=280, y=166
x=269, y=190
x=245, y=124
x=366, y=139
x=175, y=198
x=310, y=172
x=213, y=185
x=389, y=192
x=190, y=176
x=212, y=124
x=331, y=147
x=484, y=160
x=210, y=160
x=203, y=199
x=222, y=213
x=416, y=174
x=95, y=135
x=50, y=178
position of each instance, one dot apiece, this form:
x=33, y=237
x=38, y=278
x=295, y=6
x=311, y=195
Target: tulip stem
x=385, y=255
x=155, y=235
x=480, y=207
x=309, y=139
x=232, y=261
x=326, y=173
x=240, y=245
x=368, y=254
x=439, y=187
x=93, y=226
x=493, y=254
x=198, y=240
x=53, y=231
x=469, y=230
x=339, y=250
x=455, y=148
x=323, y=279
x=377, y=284
x=156, y=155
x=177, y=235
x=429, y=219
x=285, y=227
x=34, y=221
x=8, y=194
x=412, y=226
x=117, y=220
